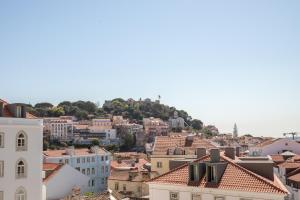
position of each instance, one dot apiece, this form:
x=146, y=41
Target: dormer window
x=19, y=111
x=211, y=173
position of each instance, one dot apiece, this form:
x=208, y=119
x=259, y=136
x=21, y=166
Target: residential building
x=102, y=123
x=155, y=127
x=59, y=129
x=21, y=136
x=215, y=177
x=176, y=122
x=128, y=177
x=60, y=179
x=275, y=146
x=94, y=162
x=171, y=151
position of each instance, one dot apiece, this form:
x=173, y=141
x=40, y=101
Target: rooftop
x=234, y=177
x=77, y=152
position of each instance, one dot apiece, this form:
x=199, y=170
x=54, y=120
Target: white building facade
x=93, y=163
x=60, y=129
x=21, y=140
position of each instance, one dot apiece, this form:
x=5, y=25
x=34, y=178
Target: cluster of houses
x=176, y=167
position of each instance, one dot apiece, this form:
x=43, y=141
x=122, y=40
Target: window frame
x=24, y=144
x=24, y=170
x=1, y=168
x=2, y=138
x=18, y=194
x=173, y=193
x=117, y=186
x=197, y=195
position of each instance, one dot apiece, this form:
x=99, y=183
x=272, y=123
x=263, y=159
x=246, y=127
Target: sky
x=224, y=62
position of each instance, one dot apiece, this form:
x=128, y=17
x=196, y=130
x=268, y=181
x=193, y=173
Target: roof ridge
x=292, y=173
x=254, y=174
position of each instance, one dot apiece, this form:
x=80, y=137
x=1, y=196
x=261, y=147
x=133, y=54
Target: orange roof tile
x=128, y=163
x=163, y=143
x=234, y=177
x=7, y=113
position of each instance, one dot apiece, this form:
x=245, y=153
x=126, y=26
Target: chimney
x=237, y=151
x=200, y=152
x=215, y=155
x=137, y=160
x=230, y=152
x=196, y=171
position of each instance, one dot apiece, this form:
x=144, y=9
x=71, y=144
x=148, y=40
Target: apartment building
x=60, y=129
x=21, y=136
x=94, y=163
x=102, y=123
x=218, y=177
x=155, y=126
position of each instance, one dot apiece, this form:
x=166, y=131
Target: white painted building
x=275, y=146
x=94, y=163
x=215, y=177
x=61, y=179
x=21, y=137
x=102, y=123
x=61, y=129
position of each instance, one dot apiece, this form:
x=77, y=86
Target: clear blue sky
x=222, y=61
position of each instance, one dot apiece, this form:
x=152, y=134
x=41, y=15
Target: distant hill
x=134, y=110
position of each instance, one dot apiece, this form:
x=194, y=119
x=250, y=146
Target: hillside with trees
x=133, y=110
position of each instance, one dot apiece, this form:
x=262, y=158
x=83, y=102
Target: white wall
x=33, y=157
x=162, y=191
x=62, y=183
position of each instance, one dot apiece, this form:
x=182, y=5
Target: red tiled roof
x=290, y=165
x=277, y=158
x=163, y=143
x=51, y=170
x=294, y=175
x=128, y=163
x=80, y=152
x=235, y=177
x=7, y=113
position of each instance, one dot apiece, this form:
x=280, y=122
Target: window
x=211, y=173
x=102, y=181
x=159, y=164
x=124, y=187
x=78, y=160
x=1, y=195
x=1, y=168
x=196, y=196
x=83, y=171
x=106, y=157
x=78, y=168
x=93, y=182
x=102, y=169
x=21, y=194
x=93, y=170
x=106, y=169
x=88, y=159
x=21, y=141
x=83, y=160
x=88, y=171
x=67, y=161
x=21, y=169
x=117, y=186
x=93, y=159
x=102, y=158
x=19, y=111
x=1, y=140
x=174, y=196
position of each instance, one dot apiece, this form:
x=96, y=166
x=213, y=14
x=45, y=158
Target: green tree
x=95, y=142
x=197, y=124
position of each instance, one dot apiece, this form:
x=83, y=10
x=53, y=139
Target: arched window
x=21, y=194
x=21, y=169
x=21, y=141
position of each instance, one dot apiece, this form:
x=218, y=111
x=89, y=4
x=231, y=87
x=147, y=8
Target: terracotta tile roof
x=128, y=164
x=289, y=165
x=163, y=143
x=79, y=152
x=277, y=158
x=235, y=177
x=7, y=113
x=51, y=170
x=294, y=175
x=267, y=142
x=124, y=175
